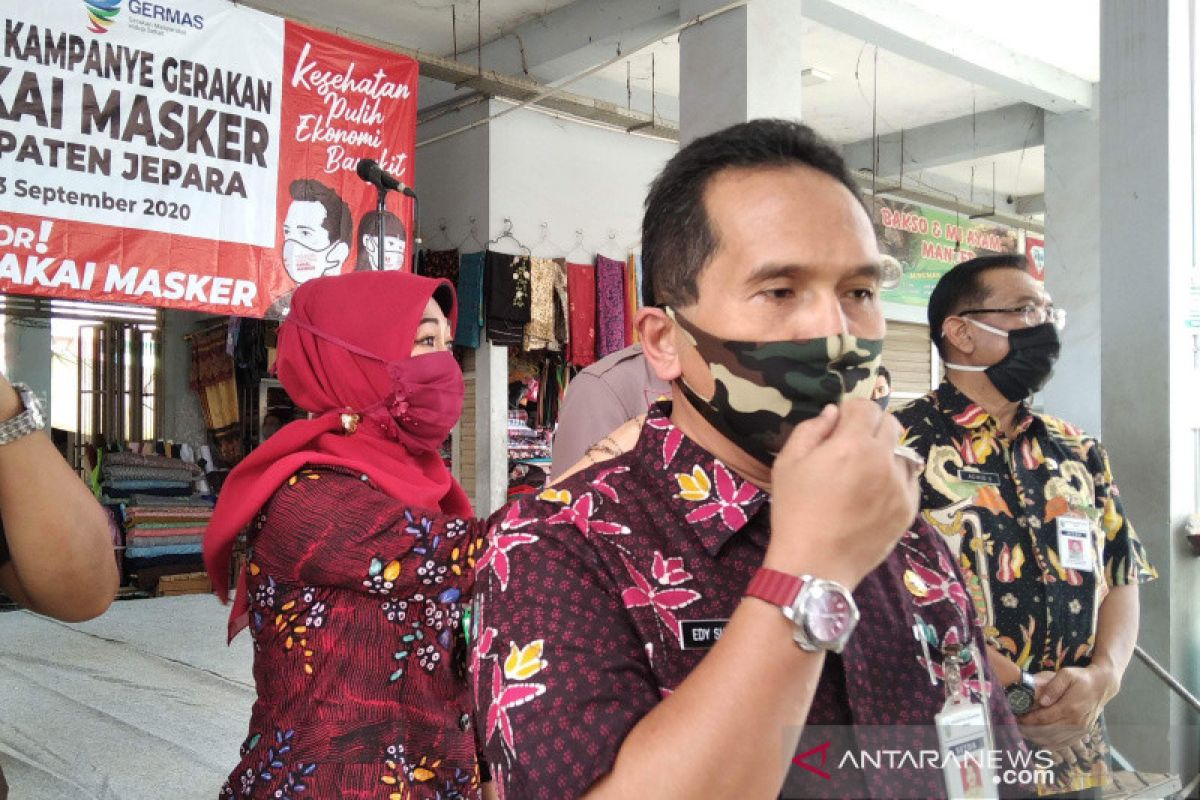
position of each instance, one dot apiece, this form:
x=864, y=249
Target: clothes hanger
x=610, y=248
x=545, y=242
x=579, y=247
x=506, y=233
x=472, y=235
x=445, y=236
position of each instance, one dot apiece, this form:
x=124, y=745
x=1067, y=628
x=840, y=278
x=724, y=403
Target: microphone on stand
x=369, y=170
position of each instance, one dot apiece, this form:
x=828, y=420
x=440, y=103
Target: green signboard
x=928, y=242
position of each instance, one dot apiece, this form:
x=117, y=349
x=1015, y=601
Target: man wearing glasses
x=1029, y=503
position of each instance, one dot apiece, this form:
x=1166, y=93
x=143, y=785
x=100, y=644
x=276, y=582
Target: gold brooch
x=349, y=422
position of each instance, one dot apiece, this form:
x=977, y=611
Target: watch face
x=828, y=616
x=1020, y=699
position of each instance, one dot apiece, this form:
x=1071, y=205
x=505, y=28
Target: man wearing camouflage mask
x=683, y=610
x=1029, y=504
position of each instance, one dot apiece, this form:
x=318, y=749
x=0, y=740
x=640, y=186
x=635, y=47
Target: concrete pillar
x=453, y=181
x=182, y=417
x=27, y=355
x=740, y=65
x=1146, y=252
x=1073, y=263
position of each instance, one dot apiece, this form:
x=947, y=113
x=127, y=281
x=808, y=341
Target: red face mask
x=425, y=401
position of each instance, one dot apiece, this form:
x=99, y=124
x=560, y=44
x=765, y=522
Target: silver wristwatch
x=822, y=612
x=30, y=420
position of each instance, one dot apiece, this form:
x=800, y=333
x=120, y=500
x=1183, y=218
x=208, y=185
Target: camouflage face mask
x=763, y=390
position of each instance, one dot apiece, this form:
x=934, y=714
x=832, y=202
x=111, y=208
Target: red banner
x=201, y=159
x=1035, y=256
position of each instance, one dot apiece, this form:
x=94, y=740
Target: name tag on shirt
x=965, y=742
x=702, y=634
x=1075, y=543
x=976, y=476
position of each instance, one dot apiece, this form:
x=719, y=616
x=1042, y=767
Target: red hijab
x=346, y=347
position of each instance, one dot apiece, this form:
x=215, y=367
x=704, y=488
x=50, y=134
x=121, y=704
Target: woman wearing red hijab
x=361, y=554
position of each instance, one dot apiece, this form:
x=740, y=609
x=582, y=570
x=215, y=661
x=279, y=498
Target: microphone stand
x=380, y=210
x=411, y=255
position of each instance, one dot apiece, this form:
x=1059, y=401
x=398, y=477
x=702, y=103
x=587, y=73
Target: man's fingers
x=810, y=433
x=1056, y=688
x=859, y=415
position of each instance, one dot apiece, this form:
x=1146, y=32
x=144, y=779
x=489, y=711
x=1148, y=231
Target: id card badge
x=965, y=744
x=1075, y=543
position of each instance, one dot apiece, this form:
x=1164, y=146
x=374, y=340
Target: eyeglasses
x=1030, y=314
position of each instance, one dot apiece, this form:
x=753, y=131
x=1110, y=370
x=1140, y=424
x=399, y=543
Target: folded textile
x=149, y=486
x=137, y=473
x=176, y=502
x=169, y=550
x=167, y=527
x=156, y=462
x=135, y=542
x=195, y=530
x=154, y=523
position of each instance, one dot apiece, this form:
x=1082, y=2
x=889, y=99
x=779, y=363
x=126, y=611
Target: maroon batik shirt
x=355, y=607
x=597, y=598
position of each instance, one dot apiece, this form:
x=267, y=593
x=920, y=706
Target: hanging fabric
x=507, y=292
x=539, y=333
x=581, y=292
x=439, y=264
x=631, y=303
x=610, y=306
x=470, y=299
x=562, y=306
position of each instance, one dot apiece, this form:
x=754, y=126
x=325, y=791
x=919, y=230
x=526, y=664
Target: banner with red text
x=196, y=155
x=928, y=242
x=1035, y=256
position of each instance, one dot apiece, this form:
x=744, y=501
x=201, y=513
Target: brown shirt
x=600, y=399
x=597, y=599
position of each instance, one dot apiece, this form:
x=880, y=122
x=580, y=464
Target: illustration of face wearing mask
x=307, y=250
x=303, y=263
x=393, y=252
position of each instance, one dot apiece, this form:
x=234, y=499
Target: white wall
x=571, y=176
x=532, y=169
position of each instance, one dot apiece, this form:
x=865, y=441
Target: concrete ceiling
x=870, y=91
x=424, y=25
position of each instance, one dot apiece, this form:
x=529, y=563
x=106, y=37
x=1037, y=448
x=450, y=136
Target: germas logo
x=102, y=14
x=158, y=12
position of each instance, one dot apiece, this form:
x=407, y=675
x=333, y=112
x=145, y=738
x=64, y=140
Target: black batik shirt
x=997, y=501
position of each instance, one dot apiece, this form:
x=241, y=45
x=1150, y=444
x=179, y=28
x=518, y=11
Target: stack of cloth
x=124, y=474
x=162, y=514
x=164, y=536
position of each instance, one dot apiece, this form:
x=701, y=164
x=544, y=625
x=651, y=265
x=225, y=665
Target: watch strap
x=29, y=420
x=775, y=587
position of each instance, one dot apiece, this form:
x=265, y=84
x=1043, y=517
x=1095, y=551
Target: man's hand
x=841, y=498
x=1068, y=703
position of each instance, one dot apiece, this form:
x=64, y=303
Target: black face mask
x=1032, y=353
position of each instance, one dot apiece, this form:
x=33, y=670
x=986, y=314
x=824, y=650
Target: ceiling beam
x=565, y=31
x=951, y=196
x=937, y=42
x=951, y=141
x=1031, y=204
x=565, y=41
